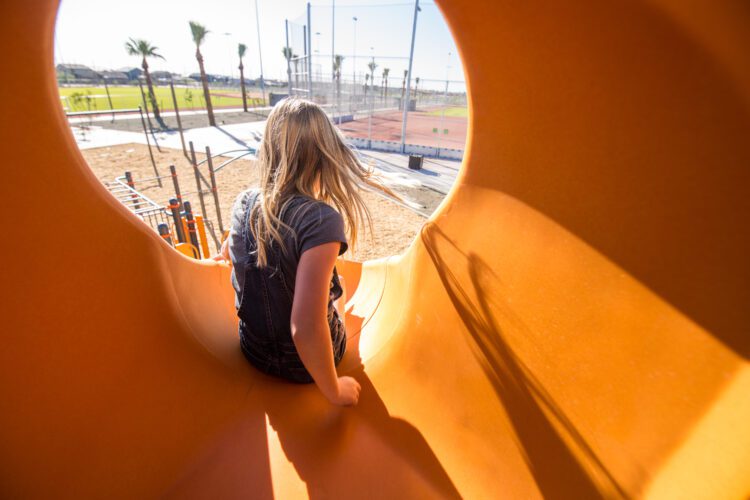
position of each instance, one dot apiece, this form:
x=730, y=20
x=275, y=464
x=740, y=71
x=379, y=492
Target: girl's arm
x=309, y=324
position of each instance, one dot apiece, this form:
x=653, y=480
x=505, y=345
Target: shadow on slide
x=558, y=456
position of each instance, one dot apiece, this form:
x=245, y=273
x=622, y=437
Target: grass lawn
x=125, y=97
x=452, y=111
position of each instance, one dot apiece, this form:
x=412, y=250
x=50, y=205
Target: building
x=163, y=76
x=76, y=73
x=209, y=77
x=132, y=73
x=114, y=77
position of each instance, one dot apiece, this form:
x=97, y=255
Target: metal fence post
x=173, y=173
x=177, y=115
x=191, y=227
x=145, y=105
x=198, y=183
x=177, y=217
x=131, y=184
x=148, y=142
x=164, y=233
x=214, y=189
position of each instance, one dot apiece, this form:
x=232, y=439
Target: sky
x=94, y=32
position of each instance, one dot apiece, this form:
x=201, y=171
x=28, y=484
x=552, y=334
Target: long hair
x=302, y=153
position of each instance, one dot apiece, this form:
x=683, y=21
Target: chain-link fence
x=354, y=60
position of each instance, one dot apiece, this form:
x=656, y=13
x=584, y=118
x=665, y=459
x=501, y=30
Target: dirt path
x=395, y=226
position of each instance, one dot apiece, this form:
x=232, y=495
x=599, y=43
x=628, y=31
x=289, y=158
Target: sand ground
x=394, y=226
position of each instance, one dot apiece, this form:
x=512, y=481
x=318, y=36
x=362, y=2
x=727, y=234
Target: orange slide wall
x=572, y=322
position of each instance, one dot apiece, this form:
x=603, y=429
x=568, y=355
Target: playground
x=394, y=224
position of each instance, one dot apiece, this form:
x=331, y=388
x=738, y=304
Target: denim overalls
x=265, y=309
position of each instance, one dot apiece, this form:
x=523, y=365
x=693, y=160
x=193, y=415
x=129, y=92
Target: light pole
x=333, y=59
x=317, y=50
x=333, y=40
x=372, y=100
x=260, y=54
x=231, y=44
x=372, y=75
x=408, y=78
x=354, y=65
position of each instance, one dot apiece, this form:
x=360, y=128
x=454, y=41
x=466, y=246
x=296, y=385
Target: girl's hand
x=223, y=254
x=348, y=392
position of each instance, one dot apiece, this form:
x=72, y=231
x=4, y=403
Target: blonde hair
x=303, y=153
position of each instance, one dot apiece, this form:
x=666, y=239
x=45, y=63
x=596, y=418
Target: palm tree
x=144, y=49
x=287, y=51
x=371, y=65
x=416, y=89
x=385, y=83
x=337, y=61
x=403, y=88
x=199, y=33
x=241, y=49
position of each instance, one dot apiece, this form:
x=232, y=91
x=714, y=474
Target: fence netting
x=353, y=61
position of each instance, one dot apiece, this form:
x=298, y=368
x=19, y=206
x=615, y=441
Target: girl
x=283, y=244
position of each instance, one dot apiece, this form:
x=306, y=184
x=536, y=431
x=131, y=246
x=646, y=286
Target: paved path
x=435, y=174
x=220, y=139
x=107, y=117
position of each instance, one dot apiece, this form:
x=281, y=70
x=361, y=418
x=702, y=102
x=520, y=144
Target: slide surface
x=572, y=322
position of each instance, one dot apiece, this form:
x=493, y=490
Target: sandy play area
x=394, y=226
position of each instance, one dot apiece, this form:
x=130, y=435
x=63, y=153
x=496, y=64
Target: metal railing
x=141, y=205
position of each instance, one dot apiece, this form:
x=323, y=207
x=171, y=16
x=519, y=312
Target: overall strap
x=252, y=197
x=250, y=246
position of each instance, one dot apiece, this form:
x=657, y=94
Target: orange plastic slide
x=572, y=322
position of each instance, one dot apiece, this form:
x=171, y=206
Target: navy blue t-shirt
x=314, y=223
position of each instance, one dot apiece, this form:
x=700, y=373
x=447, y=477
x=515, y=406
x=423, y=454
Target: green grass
x=126, y=97
x=452, y=111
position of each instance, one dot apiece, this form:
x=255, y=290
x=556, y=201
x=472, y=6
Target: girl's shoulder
x=245, y=196
x=296, y=210
x=304, y=208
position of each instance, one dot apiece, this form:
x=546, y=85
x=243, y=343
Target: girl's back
x=264, y=297
x=284, y=241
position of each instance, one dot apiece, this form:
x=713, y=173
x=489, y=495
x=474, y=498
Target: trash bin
x=415, y=162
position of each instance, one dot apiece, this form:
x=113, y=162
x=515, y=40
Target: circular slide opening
x=168, y=104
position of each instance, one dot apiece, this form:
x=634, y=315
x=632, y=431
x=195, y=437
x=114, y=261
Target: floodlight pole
x=260, y=54
x=408, y=78
x=354, y=70
x=333, y=41
x=309, y=56
x=333, y=59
